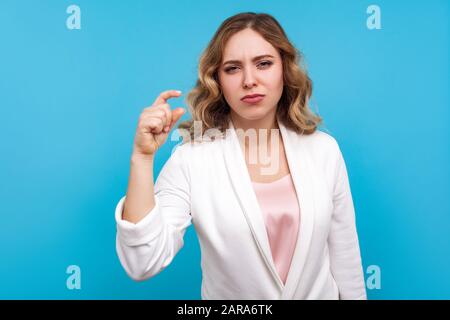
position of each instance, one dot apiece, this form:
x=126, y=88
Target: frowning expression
x=251, y=66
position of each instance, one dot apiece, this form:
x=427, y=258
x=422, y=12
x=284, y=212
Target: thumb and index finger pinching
x=172, y=115
x=165, y=95
x=176, y=115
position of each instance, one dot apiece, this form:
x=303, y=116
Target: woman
x=273, y=213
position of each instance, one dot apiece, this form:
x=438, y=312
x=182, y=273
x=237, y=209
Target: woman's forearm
x=140, y=197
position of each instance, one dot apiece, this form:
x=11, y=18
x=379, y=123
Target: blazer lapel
x=243, y=188
x=299, y=166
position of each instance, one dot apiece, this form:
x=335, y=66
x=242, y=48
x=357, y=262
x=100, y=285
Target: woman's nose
x=249, y=80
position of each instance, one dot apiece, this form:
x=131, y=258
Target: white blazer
x=208, y=184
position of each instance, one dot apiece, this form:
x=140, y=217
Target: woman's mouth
x=253, y=99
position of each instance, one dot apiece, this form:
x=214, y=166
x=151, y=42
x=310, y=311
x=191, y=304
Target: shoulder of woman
x=322, y=141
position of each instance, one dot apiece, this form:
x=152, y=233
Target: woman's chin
x=255, y=115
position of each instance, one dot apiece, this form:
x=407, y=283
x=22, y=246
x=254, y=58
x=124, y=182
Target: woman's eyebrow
x=253, y=60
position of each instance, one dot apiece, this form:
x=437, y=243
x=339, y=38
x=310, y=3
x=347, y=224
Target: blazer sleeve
x=345, y=258
x=147, y=247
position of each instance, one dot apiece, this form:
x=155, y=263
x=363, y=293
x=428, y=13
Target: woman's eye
x=230, y=69
x=263, y=64
x=266, y=63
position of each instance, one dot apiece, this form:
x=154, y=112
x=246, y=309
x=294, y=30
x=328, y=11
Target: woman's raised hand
x=155, y=123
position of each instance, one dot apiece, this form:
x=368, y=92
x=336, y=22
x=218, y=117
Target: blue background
x=70, y=100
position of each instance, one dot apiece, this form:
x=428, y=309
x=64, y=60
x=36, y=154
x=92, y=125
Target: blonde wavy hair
x=206, y=101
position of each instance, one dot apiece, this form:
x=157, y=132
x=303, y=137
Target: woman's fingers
x=151, y=124
x=165, y=95
x=168, y=115
x=176, y=115
x=162, y=114
x=161, y=109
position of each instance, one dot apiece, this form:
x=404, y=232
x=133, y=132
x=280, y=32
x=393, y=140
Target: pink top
x=279, y=205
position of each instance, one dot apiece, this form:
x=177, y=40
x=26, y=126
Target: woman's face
x=251, y=65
